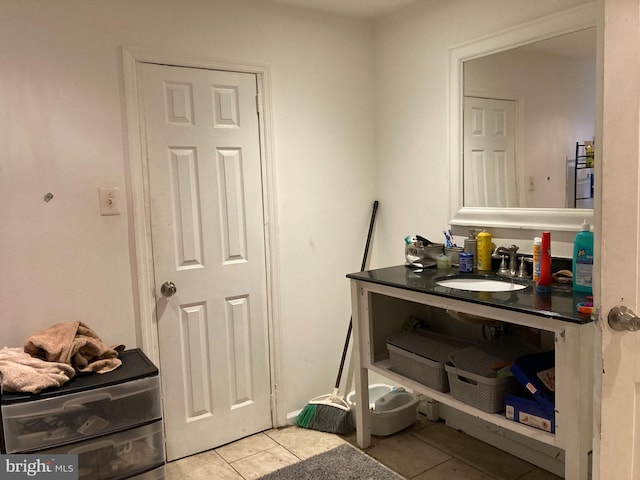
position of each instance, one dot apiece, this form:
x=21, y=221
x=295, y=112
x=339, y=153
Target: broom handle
x=369, y=234
x=364, y=263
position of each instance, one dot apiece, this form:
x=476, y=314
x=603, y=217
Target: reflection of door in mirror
x=489, y=152
x=553, y=82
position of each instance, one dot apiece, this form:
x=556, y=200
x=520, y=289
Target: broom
x=331, y=413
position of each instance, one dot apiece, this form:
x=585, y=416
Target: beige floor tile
x=305, y=443
x=478, y=454
x=203, y=466
x=264, y=462
x=405, y=454
x=539, y=474
x=426, y=451
x=246, y=447
x=453, y=469
x=172, y=471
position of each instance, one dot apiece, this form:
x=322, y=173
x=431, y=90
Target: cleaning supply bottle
x=471, y=246
x=484, y=251
x=537, y=250
x=543, y=284
x=583, y=259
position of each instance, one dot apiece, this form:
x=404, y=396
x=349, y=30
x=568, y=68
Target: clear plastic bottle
x=537, y=251
x=583, y=260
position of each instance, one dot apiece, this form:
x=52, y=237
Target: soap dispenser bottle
x=471, y=246
x=583, y=259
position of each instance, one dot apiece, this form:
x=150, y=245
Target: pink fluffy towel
x=74, y=344
x=21, y=372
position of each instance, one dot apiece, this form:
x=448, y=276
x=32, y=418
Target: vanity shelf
x=383, y=368
x=381, y=299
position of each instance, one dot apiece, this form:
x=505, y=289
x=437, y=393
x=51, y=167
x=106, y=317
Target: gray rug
x=341, y=463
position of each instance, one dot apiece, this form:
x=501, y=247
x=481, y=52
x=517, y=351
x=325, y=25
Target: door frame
x=140, y=203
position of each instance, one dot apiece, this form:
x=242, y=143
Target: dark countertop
x=560, y=304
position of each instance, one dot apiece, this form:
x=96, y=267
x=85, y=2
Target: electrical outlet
x=109, y=201
x=531, y=186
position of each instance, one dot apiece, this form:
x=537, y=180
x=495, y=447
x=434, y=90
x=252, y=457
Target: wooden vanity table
x=573, y=335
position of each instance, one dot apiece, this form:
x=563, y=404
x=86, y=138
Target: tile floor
x=426, y=451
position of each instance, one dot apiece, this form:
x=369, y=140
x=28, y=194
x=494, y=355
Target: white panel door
x=205, y=184
x=489, y=153
x=618, y=442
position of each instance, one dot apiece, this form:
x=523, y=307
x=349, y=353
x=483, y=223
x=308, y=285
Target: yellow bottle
x=484, y=251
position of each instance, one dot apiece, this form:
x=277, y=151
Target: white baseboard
x=291, y=418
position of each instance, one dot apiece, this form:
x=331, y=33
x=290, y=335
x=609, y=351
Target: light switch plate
x=109, y=200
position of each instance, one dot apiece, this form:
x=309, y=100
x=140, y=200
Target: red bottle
x=543, y=284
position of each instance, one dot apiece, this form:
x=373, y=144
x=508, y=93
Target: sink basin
x=480, y=284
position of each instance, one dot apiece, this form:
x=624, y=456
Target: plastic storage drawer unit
x=112, y=421
x=86, y=407
x=45, y=423
x=119, y=455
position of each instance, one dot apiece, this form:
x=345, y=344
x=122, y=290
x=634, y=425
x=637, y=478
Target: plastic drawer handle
x=92, y=447
x=86, y=399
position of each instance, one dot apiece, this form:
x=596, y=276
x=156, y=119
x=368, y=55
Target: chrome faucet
x=512, y=251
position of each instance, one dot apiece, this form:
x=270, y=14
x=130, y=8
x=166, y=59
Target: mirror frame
x=558, y=219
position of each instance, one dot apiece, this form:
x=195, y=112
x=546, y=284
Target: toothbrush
x=446, y=238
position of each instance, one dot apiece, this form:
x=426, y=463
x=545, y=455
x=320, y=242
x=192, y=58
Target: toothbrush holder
x=454, y=253
x=423, y=254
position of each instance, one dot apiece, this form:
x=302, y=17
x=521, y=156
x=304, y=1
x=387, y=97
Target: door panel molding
x=139, y=203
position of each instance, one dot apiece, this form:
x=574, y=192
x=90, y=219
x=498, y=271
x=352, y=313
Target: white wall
x=62, y=127
x=412, y=90
x=63, y=131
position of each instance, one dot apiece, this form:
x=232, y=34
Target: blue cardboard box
x=536, y=373
x=529, y=412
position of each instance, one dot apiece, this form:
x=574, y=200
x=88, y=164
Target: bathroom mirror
x=535, y=194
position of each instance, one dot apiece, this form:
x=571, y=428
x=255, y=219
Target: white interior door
x=618, y=442
x=489, y=153
x=205, y=184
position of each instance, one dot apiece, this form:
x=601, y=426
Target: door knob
x=168, y=289
x=622, y=318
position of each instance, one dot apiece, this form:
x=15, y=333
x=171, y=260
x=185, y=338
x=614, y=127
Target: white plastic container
x=392, y=409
